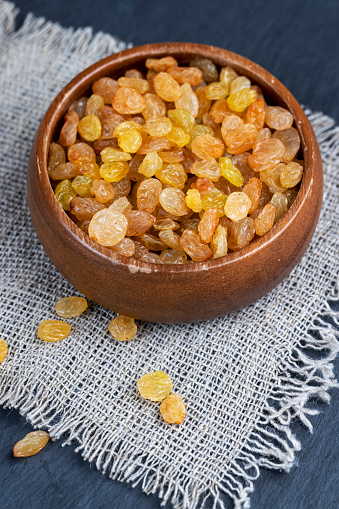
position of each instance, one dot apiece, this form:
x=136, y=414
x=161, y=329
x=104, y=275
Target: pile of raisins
x=177, y=163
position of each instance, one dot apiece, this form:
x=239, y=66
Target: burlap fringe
x=301, y=378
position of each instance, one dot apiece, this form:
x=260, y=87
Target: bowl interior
x=115, y=66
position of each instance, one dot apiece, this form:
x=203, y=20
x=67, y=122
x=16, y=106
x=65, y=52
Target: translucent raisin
x=206, y=169
x=208, y=224
x=128, y=101
x=216, y=91
x=291, y=141
x=256, y=113
x=108, y=227
x=230, y=172
x=172, y=174
x=130, y=141
x=85, y=208
x=188, y=100
x=265, y=220
x=193, y=200
x=155, y=386
x=237, y=206
x=172, y=409
x=94, y=105
x=152, y=242
x=154, y=107
x=64, y=193
x=178, y=137
x=111, y=154
x=266, y=153
x=291, y=174
x=138, y=84
x=125, y=247
x=271, y=177
x=160, y=64
x=150, y=164
x=70, y=307
x=172, y=256
x=214, y=199
x=56, y=156
x=280, y=202
x=139, y=222
x=113, y=172
x=278, y=118
x=240, y=100
x=53, y=330
x=106, y=87
x=181, y=118
x=173, y=200
x=159, y=126
x=89, y=128
x=171, y=239
x=253, y=190
x=122, y=328
x=219, y=242
x=242, y=232
x=80, y=150
x=148, y=194
x=69, y=131
x=166, y=87
x=241, y=139
x=194, y=247
x=64, y=171
x=206, y=146
x=31, y=444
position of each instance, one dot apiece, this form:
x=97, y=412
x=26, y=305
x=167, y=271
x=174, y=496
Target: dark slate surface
x=298, y=41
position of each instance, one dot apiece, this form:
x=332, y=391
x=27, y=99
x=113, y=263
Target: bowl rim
x=261, y=76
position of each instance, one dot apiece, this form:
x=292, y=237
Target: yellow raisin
x=193, y=200
x=3, y=350
x=130, y=141
x=155, y=386
x=178, y=136
x=113, y=172
x=240, y=100
x=230, y=172
x=172, y=174
x=110, y=154
x=53, y=330
x=90, y=128
x=122, y=328
x=151, y=163
x=70, y=307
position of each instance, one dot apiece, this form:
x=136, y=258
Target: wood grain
x=164, y=293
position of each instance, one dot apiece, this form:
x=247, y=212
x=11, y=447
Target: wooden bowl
x=173, y=293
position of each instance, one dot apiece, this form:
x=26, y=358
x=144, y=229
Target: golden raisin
x=3, y=350
x=53, y=330
x=31, y=444
x=155, y=386
x=70, y=307
x=173, y=409
x=122, y=328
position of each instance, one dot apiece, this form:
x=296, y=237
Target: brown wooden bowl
x=173, y=293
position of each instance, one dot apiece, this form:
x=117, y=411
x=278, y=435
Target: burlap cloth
x=243, y=377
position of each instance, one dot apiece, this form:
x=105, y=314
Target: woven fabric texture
x=243, y=377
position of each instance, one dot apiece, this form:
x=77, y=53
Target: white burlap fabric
x=243, y=377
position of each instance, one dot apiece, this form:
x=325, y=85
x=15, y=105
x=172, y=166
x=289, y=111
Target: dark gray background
x=298, y=41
